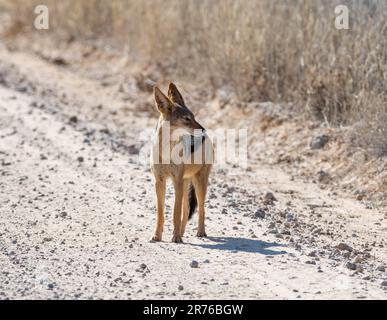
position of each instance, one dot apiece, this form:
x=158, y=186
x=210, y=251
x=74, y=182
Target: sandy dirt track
x=77, y=210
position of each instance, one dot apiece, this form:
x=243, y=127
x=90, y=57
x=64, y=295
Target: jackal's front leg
x=200, y=182
x=160, y=192
x=177, y=211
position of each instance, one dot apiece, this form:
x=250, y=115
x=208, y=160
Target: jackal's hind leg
x=185, y=206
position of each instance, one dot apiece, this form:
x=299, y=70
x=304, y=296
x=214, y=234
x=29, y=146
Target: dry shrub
x=370, y=131
x=277, y=50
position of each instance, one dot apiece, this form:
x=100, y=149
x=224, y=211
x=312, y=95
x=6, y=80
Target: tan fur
x=174, y=110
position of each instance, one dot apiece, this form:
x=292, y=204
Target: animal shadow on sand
x=242, y=245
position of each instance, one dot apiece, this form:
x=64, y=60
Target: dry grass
x=277, y=50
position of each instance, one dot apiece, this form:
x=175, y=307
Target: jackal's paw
x=201, y=234
x=156, y=238
x=177, y=239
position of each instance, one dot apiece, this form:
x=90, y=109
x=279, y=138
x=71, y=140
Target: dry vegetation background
x=265, y=50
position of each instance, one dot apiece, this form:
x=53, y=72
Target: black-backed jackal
x=183, y=152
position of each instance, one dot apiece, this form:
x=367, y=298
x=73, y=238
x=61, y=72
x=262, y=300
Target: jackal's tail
x=192, y=201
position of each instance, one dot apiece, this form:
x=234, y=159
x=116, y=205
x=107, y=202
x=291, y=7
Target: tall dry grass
x=278, y=50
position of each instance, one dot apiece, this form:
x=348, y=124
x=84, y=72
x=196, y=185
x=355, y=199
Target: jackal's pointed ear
x=175, y=95
x=163, y=104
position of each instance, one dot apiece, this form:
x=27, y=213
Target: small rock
x=359, y=268
x=59, y=61
x=359, y=259
x=312, y=254
x=351, y=265
x=180, y=288
x=21, y=88
x=323, y=176
x=269, y=198
x=73, y=119
x=360, y=197
x=50, y=286
x=133, y=150
x=381, y=268
x=271, y=225
x=289, y=217
x=344, y=247
x=384, y=283
x=360, y=194
x=319, y=142
x=317, y=231
x=260, y=214
x=346, y=255
x=194, y=264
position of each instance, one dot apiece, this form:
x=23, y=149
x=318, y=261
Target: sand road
x=77, y=210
